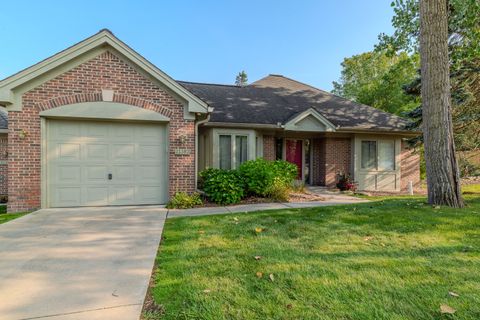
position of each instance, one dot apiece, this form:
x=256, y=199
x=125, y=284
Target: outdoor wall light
x=22, y=134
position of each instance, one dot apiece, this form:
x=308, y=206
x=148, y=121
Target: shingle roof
x=276, y=99
x=3, y=118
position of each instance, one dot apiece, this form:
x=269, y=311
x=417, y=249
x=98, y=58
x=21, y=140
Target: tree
x=377, y=79
x=242, y=79
x=443, y=178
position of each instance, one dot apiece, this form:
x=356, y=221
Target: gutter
x=197, y=124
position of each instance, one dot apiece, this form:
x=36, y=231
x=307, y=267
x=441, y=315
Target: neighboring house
x=97, y=124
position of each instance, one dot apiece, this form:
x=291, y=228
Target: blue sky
x=203, y=41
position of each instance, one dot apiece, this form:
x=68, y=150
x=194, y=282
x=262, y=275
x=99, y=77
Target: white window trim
x=251, y=144
x=397, y=145
x=363, y=174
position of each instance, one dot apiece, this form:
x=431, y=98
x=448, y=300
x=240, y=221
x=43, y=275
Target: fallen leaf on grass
x=259, y=275
x=258, y=230
x=207, y=291
x=367, y=238
x=453, y=294
x=235, y=219
x=258, y=257
x=447, y=309
x=272, y=278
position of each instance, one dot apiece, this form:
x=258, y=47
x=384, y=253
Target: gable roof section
x=309, y=120
x=104, y=38
x=276, y=99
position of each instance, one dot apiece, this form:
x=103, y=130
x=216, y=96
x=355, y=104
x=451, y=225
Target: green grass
x=471, y=189
x=5, y=217
x=389, y=259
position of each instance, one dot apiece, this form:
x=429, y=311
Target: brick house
x=97, y=124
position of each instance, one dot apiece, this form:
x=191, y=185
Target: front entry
x=294, y=154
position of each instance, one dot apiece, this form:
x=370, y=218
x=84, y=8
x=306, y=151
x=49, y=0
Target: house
x=97, y=124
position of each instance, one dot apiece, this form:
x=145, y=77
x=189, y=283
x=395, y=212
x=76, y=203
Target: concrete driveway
x=82, y=263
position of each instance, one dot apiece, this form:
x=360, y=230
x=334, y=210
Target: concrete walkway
x=82, y=263
x=92, y=263
x=330, y=199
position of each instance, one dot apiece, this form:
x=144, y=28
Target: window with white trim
x=378, y=155
x=233, y=150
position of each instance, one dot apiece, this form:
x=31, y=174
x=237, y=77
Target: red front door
x=293, y=154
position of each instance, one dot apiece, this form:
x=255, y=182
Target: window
x=369, y=154
x=386, y=155
x=225, y=152
x=233, y=150
x=378, y=155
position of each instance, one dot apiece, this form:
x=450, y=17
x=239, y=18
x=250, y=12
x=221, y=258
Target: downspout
x=197, y=124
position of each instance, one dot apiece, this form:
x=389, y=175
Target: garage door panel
x=150, y=134
x=122, y=195
x=150, y=194
x=81, y=154
x=96, y=151
x=95, y=173
x=123, y=173
x=68, y=174
x=68, y=151
x=123, y=132
x=67, y=196
x=95, y=131
x=96, y=196
x=150, y=172
x=149, y=152
x=123, y=152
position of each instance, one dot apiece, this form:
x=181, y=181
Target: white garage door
x=105, y=163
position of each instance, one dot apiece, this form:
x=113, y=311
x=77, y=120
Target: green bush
x=286, y=171
x=260, y=175
x=182, y=200
x=278, y=191
x=223, y=186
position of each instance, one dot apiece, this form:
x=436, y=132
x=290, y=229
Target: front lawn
x=389, y=259
x=5, y=217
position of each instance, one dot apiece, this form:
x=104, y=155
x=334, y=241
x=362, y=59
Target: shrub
x=260, y=175
x=345, y=183
x=182, y=200
x=278, y=191
x=286, y=171
x=223, y=186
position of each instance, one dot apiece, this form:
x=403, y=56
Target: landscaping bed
x=396, y=258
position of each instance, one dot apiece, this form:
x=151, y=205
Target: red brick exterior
x=334, y=159
x=409, y=167
x=84, y=84
x=269, y=148
x=3, y=166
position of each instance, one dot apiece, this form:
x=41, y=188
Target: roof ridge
x=210, y=84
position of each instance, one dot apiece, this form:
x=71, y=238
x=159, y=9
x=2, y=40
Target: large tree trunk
x=443, y=179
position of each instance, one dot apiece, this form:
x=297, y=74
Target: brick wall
x=3, y=165
x=84, y=84
x=409, y=167
x=331, y=156
x=269, y=148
